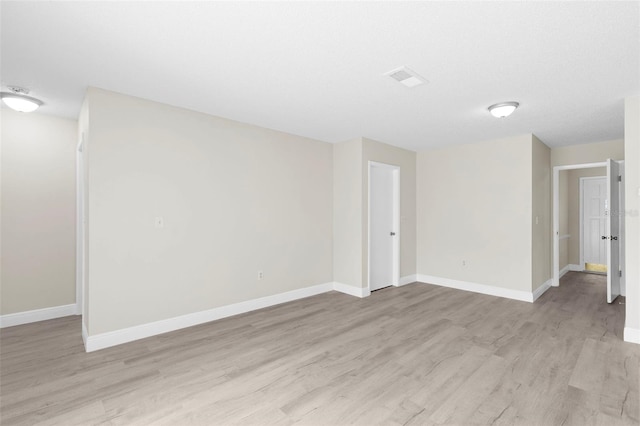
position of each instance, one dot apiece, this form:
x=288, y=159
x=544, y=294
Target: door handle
x=604, y=237
x=614, y=238
x=392, y=233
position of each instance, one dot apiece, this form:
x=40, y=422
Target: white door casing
x=80, y=227
x=383, y=225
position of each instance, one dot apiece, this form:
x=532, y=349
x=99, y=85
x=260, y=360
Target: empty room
x=320, y=213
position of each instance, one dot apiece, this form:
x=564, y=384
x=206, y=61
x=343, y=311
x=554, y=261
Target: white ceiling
x=316, y=68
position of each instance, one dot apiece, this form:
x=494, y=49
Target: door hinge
x=619, y=273
x=619, y=178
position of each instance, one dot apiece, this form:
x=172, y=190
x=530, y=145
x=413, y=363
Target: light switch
x=159, y=222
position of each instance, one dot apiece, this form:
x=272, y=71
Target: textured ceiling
x=317, y=68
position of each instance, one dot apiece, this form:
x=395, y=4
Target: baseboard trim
x=408, y=280
x=19, y=318
x=541, y=290
x=118, y=337
x=351, y=290
x=85, y=334
x=632, y=335
x=523, y=296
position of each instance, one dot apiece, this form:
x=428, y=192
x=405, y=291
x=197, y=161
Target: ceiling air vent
x=407, y=77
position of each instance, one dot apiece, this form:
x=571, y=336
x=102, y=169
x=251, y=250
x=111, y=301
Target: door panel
x=613, y=230
x=381, y=227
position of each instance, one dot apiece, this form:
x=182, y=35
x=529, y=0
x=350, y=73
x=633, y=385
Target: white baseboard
x=85, y=334
x=540, y=290
x=632, y=335
x=570, y=267
x=9, y=320
x=351, y=290
x=408, y=280
x=117, y=337
x=523, y=296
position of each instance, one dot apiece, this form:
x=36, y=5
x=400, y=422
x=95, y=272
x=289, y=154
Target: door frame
x=395, y=273
x=80, y=226
x=556, y=213
x=582, y=179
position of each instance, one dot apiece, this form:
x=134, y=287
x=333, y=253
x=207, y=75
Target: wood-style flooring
x=414, y=355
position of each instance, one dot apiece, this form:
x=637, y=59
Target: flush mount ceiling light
x=503, y=109
x=406, y=77
x=18, y=100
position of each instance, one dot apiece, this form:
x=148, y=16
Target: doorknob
x=604, y=237
x=614, y=238
x=392, y=233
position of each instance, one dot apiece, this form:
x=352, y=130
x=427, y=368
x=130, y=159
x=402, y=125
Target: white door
x=594, y=196
x=383, y=227
x=612, y=236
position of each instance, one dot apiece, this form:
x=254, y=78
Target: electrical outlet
x=464, y=263
x=260, y=275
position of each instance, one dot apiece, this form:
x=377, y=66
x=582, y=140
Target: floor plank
x=414, y=355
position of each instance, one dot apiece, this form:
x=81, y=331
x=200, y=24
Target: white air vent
x=407, y=77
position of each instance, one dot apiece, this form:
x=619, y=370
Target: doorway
x=384, y=225
x=613, y=226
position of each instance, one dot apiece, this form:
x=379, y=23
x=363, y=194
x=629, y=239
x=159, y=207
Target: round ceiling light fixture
x=16, y=98
x=503, y=109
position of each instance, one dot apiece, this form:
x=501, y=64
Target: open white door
x=613, y=230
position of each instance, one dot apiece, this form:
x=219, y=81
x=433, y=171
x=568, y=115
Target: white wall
x=38, y=212
x=474, y=204
x=632, y=217
x=347, y=213
x=588, y=153
x=541, y=250
x=563, y=224
x=236, y=199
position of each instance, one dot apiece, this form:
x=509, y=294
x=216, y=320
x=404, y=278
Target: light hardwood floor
x=418, y=354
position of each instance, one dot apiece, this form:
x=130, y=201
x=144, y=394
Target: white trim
x=540, y=290
x=351, y=290
x=117, y=337
x=85, y=333
x=523, y=296
x=632, y=335
x=19, y=318
x=407, y=280
x=80, y=225
x=395, y=273
x=570, y=267
x=556, y=213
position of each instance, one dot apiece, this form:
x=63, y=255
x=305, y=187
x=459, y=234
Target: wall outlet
x=464, y=263
x=260, y=275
